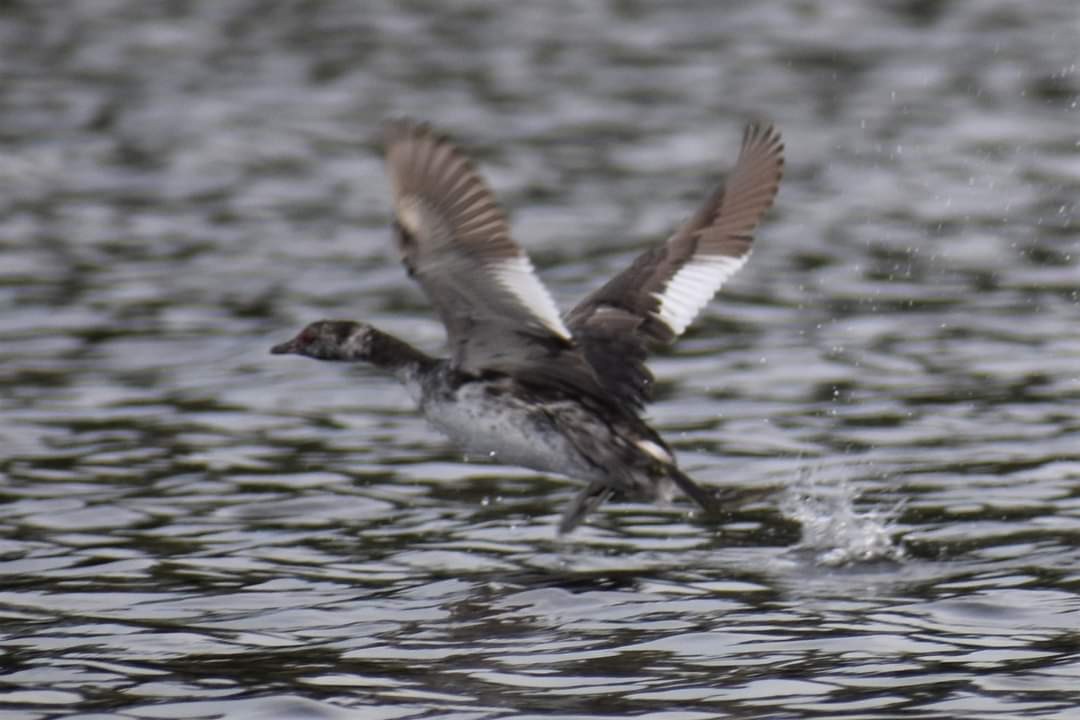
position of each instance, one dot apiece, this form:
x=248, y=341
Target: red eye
x=307, y=336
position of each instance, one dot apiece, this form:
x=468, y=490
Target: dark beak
x=285, y=348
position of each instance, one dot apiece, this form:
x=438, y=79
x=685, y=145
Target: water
x=193, y=528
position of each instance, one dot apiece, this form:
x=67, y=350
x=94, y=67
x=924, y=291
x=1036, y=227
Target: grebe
x=523, y=384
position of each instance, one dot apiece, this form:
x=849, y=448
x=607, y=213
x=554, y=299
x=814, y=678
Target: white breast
x=503, y=429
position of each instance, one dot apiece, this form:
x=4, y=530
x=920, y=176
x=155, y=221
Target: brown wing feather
x=650, y=303
x=456, y=243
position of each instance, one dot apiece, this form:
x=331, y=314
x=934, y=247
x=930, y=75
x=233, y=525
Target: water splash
x=833, y=530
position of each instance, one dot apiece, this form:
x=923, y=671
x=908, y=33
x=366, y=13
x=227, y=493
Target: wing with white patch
x=653, y=301
x=455, y=242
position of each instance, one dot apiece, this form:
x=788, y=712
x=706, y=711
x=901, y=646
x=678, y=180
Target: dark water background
x=190, y=527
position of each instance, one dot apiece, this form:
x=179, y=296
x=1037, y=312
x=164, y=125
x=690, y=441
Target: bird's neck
x=398, y=357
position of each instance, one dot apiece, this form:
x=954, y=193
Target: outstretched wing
x=653, y=301
x=455, y=242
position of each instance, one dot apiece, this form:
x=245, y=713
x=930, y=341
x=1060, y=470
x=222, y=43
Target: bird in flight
x=523, y=384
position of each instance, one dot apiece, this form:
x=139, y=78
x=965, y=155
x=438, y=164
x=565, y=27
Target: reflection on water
x=192, y=528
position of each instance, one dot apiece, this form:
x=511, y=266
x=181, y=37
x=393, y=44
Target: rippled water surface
x=193, y=528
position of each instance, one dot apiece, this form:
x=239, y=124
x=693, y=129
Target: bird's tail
x=599, y=491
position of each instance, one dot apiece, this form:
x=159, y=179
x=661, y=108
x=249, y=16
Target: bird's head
x=341, y=340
